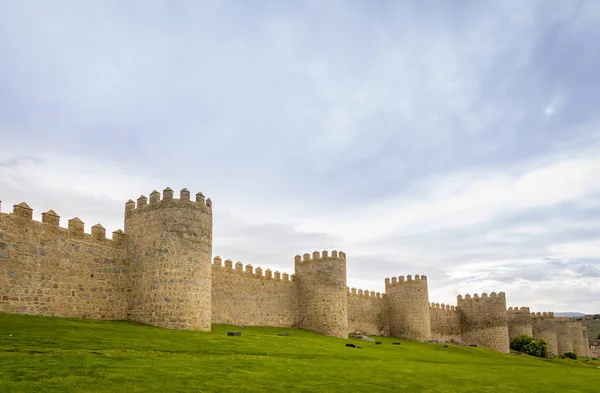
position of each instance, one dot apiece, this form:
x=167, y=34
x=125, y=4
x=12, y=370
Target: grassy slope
x=58, y=355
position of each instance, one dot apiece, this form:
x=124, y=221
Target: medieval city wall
x=49, y=270
x=445, y=322
x=544, y=327
x=159, y=271
x=366, y=312
x=408, y=307
x=519, y=322
x=170, y=251
x=484, y=320
x=322, y=292
x=244, y=295
x=563, y=336
x=579, y=346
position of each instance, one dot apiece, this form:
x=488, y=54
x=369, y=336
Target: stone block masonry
x=544, y=327
x=484, y=321
x=519, y=322
x=160, y=271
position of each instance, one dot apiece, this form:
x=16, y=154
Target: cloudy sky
x=456, y=139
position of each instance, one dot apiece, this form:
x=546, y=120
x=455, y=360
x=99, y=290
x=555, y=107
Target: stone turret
x=322, y=297
x=170, y=251
x=544, y=327
x=579, y=346
x=519, y=322
x=484, y=320
x=408, y=307
x=564, y=343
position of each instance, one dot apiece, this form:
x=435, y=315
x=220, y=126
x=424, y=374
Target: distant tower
x=322, y=293
x=544, y=327
x=586, y=341
x=484, y=320
x=170, y=250
x=519, y=322
x=579, y=347
x=408, y=307
x=563, y=336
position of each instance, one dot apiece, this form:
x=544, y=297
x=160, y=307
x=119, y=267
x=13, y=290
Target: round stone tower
x=544, y=327
x=563, y=336
x=519, y=322
x=169, y=251
x=408, y=307
x=322, y=293
x=579, y=347
x=483, y=320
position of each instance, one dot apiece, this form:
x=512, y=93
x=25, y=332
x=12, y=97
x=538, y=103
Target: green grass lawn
x=39, y=354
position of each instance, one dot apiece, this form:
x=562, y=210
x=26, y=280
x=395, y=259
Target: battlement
x=484, y=297
x=401, y=280
x=143, y=203
x=441, y=307
x=250, y=271
x=544, y=314
x=23, y=216
x=320, y=256
x=364, y=293
x=517, y=310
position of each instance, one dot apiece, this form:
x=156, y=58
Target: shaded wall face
x=563, y=337
x=322, y=295
x=170, y=249
x=240, y=298
x=579, y=347
x=408, y=310
x=545, y=328
x=519, y=323
x=366, y=314
x=445, y=324
x=48, y=270
x=484, y=322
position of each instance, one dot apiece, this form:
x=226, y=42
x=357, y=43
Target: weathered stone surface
x=519, y=322
x=484, y=320
x=408, y=307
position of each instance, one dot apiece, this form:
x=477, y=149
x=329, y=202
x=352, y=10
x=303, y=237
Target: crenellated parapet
x=22, y=221
x=422, y=279
x=322, y=293
x=519, y=322
x=484, y=320
x=364, y=293
x=549, y=314
x=249, y=271
x=317, y=256
x=442, y=307
x=543, y=325
x=408, y=307
x=144, y=204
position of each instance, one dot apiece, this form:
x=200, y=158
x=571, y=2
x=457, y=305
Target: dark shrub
x=570, y=355
x=530, y=346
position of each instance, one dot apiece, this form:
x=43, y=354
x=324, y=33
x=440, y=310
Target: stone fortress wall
x=484, y=320
x=445, y=322
x=159, y=271
x=543, y=326
x=519, y=322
